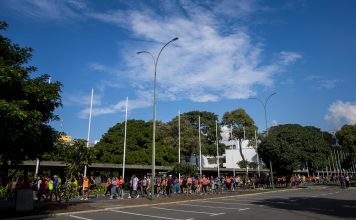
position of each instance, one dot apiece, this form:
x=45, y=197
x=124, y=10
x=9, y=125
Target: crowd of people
x=52, y=188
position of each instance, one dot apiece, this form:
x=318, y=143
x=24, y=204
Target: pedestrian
x=144, y=186
x=85, y=188
x=121, y=187
x=108, y=186
x=135, y=182
x=113, y=188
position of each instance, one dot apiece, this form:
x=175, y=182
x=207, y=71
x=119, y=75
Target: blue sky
x=228, y=51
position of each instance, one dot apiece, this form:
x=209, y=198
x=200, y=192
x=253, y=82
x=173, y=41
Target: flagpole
x=217, y=147
x=258, y=158
x=124, y=155
x=200, y=171
x=90, y=111
x=232, y=148
x=179, y=143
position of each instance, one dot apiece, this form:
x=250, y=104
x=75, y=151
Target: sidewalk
x=7, y=208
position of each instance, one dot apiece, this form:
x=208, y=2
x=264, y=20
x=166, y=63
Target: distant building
x=66, y=138
x=232, y=155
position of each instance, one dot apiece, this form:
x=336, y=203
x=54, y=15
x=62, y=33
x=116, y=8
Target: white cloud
x=204, y=65
x=54, y=10
x=323, y=83
x=288, y=57
x=340, y=111
x=212, y=60
x=118, y=107
x=81, y=99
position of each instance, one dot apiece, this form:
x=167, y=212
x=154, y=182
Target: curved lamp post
x=155, y=61
x=264, y=104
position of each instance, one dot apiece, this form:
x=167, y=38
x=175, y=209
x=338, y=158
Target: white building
x=232, y=156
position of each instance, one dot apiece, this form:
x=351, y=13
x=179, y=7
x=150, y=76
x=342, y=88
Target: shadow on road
x=324, y=206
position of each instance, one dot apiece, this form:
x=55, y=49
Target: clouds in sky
x=209, y=62
x=323, y=83
x=215, y=58
x=340, y=112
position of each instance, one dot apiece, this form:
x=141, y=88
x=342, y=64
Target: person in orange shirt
x=121, y=187
x=85, y=188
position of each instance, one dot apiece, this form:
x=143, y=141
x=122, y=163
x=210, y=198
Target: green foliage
x=208, y=131
x=347, y=139
x=243, y=163
x=253, y=165
x=293, y=147
x=184, y=169
x=139, y=140
x=75, y=155
x=26, y=105
x=242, y=126
x=3, y=192
x=138, y=144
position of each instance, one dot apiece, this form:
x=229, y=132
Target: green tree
x=208, y=130
x=184, y=169
x=138, y=144
x=292, y=147
x=242, y=125
x=347, y=139
x=26, y=106
x=75, y=156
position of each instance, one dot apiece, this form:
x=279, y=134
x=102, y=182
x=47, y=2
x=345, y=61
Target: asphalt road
x=310, y=203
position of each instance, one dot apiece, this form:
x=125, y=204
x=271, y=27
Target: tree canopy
x=293, y=147
x=139, y=140
x=347, y=139
x=242, y=125
x=27, y=104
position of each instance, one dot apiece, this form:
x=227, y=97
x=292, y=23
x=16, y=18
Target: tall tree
x=292, y=147
x=26, y=106
x=138, y=143
x=242, y=125
x=208, y=129
x=347, y=139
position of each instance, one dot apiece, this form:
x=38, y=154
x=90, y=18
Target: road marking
x=314, y=196
x=150, y=216
x=74, y=216
x=179, y=210
x=217, y=207
x=227, y=203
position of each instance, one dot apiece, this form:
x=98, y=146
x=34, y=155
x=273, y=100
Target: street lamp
x=264, y=104
x=155, y=61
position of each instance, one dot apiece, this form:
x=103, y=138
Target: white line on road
x=74, y=216
x=179, y=210
x=150, y=216
x=227, y=203
x=216, y=207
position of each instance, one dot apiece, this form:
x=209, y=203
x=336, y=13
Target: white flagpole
x=90, y=111
x=232, y=148
x=217, y=146
x=200, y=171
x=179, y=143
x=258, y=158
x=124, y=155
